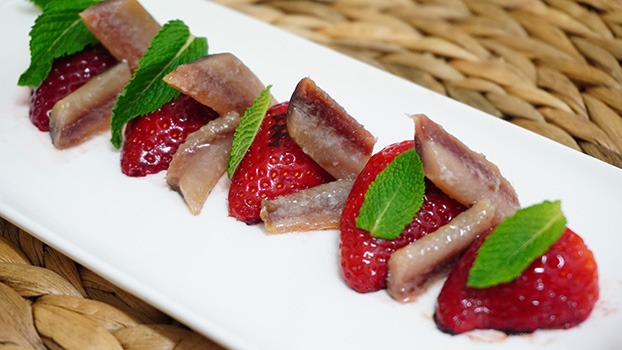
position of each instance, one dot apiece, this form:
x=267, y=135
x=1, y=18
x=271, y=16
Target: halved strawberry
x=151, y=140
x=274, y=165
x=68, y=73
x=558, y=290
x=363, y=257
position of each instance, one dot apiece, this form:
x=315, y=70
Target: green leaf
x=41, y=3
x=516, y=243
x=247, y=130
x=147, y=91
x=393, y=199
x=57, y=32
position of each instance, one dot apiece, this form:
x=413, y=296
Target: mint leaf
x=516, y=243
x=393, y=199
x=41, y=3
x=247, y=130
x=147, y=91
x=57, y=32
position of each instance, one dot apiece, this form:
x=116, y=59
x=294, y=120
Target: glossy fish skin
x=326, y=132
x=461, y=173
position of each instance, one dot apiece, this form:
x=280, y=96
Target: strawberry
x=274, y=165
x=363, y=257
x=558, y=290
x=68, y=73
x=151, y=140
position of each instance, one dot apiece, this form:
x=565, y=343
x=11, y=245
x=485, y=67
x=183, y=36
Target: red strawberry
x=363, y=257
x=558, y=290
x=68, y=73
x=151, y=140
x=274, y=165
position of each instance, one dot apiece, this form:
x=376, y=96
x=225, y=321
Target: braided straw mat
x=552, y=67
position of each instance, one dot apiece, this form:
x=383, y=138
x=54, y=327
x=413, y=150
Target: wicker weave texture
x=552, y=67
x=47, y=301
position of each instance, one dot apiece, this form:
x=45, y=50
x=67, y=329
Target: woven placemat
x=552, y=67
x=47, y=301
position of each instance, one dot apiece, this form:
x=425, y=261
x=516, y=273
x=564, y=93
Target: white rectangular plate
x=233, y=282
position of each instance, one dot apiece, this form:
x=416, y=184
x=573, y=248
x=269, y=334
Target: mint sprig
x=515, y=243
x=247, y=130
x=41, y=3
x=146, y=92
x=57, y=32
x=394, y=197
